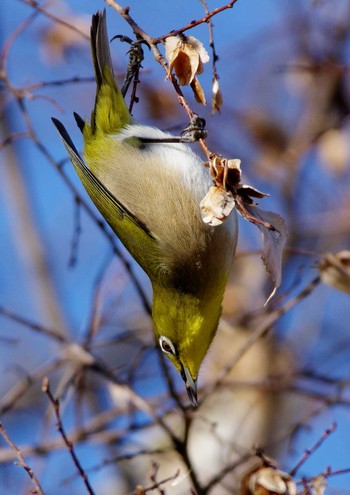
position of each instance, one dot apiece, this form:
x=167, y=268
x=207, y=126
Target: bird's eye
x=166, y=345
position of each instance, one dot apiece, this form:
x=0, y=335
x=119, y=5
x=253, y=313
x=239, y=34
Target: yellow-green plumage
x=150, y=194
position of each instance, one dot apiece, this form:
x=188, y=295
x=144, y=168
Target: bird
x=148, y=189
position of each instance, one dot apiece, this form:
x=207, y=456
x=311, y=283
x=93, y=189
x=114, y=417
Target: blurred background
x=276, y=377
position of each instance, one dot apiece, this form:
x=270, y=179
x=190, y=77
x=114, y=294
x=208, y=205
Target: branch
x=56, y=406
x=153, y=42
x=36, y=327
x=22, y=462
x=39, y=9
x=313, y=449
x=193, y=24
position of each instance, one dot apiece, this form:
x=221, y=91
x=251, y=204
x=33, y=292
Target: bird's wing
x=133, y=233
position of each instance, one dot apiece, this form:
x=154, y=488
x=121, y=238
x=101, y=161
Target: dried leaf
x=216, y=206
x=225, y=173
x=140, y=490
x=247, y=191
x=183, y=68
x=319, y=485
x=335, y=270
x=216, y=97
x=186, y=55
x=291, y=488
x=273, y=481
x=229, y=192
x=234, y=172
x=274, y=233
x=198, y=91
x=234, y=164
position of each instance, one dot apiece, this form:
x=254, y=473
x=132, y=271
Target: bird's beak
x=191, y=386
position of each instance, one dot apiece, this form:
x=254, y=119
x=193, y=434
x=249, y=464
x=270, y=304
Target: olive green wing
x=133, y=233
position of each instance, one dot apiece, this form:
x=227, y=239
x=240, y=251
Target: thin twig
x=153, y=42
x=22, y=462
x=16, y=393
x=157, y=484
x=229, y=468
x=36, y=327
x=96, y=431
x=337, y=472
x=58, y=82
x=76, y=234
x=40, y=9
x=13, y=137
x=56, y=406
x=193, y=24
x=313, y=449
x=11, y=39
x=120, y=458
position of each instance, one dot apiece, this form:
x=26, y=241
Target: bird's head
x=185, y=326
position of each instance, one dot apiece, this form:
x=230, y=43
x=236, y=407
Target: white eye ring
x=166, y=345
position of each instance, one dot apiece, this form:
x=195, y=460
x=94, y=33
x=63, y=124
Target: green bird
x=149, y=193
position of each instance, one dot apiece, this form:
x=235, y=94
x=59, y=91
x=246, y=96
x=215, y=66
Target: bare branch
x=313, y=449
x=56, y=407
x=22, y=462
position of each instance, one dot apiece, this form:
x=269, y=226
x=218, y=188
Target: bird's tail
x=101, y=55
x=110, y=112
